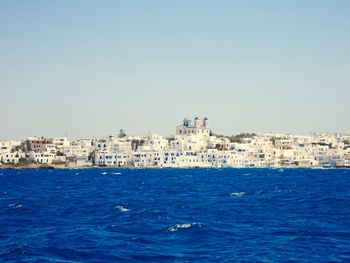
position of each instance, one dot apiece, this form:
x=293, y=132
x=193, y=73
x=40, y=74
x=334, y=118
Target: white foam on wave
x=121, y=208
x=281, y=191
x=117, y=173
x=237, y=194
x=15, y=205
x=176, y=227
x=20, y=247
x=104, y=173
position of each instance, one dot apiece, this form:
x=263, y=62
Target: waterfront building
x=41, y=158
x=11, y=157
x=193, y=145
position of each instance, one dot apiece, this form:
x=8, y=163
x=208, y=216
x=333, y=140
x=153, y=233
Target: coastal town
x=193, y=145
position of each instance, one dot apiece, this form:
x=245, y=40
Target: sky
x=90, y=68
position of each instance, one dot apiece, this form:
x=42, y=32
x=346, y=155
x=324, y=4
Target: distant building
x=197, y=128
x=41, y=158
x=35, y=144
x=11, y=157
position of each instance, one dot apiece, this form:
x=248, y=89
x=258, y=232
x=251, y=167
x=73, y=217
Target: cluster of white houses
x=193, y=146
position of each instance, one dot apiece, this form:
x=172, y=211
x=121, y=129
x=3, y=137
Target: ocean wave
x=117, y=173
x=121, y=208
x=16, y=205
x=237, y=194
x=282, y=191
x=177, y=227
x=15, y=250
x=104, y=173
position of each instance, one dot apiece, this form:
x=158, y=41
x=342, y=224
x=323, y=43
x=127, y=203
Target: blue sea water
x=175, y=215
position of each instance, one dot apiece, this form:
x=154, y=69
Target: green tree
x=59, y=153
x=122, y=133
x=91, y=156
x=24, y=161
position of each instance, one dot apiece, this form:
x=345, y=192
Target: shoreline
x=61, y=167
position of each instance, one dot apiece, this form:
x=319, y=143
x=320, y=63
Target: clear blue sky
x=90, y=68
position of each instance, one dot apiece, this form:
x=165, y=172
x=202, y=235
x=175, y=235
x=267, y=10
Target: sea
x=175, y=215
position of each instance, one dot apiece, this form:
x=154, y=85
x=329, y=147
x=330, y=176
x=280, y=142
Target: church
x=197, y=128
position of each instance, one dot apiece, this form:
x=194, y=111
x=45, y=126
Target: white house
x=8, y=157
